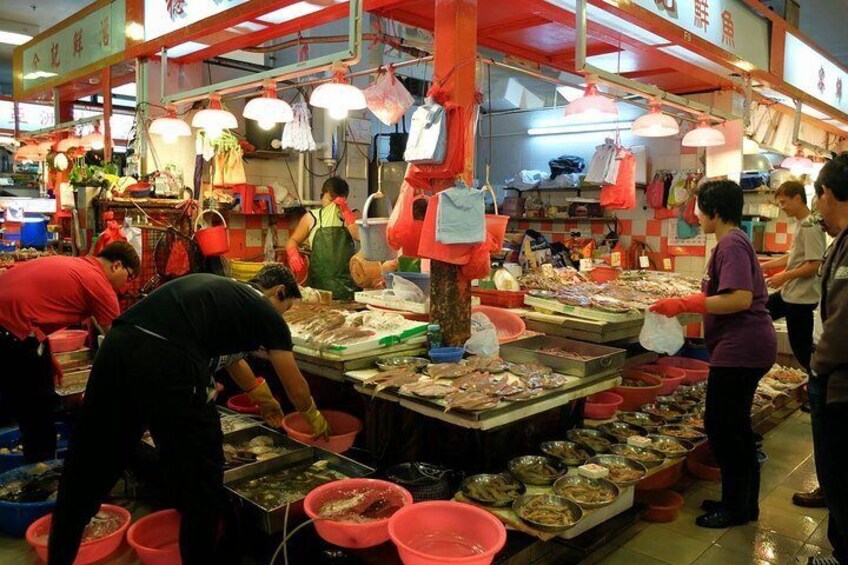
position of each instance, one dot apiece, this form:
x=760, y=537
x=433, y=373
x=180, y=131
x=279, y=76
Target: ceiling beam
x=508, y=26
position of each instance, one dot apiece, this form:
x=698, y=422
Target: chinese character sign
x=176, y=8
x=702, y=14
x=727, y=29
x=77, y=43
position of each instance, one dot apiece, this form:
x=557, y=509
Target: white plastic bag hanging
x=297, y=134
x=661, y=334
x=427, y=135
x=405, y=290
x=484, y=337
x=133, y=235
x=388, y=99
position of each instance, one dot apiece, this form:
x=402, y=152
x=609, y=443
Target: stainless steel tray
x=603, y=359
x=243, y=436
x=271, y=521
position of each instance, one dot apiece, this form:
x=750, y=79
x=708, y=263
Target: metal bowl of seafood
x=644, y=455
x=538, y=470
x=598, y=441
x=622, y=430
x=542, y=293
x=685, y=401
x=623, y=471
x=568, y=452
x=671, y=413
x=672, y=447
x=642, y=419
x=390, y=363
x=695, y=419
x=492, y=490
x=547, y=512
x=682, y=432
x=588, y=493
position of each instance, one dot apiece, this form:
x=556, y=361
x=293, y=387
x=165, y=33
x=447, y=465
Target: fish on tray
x=326, y=322
x=340, y=336
x=548, y=381
x=428, y=388
x=529, y=369
x=471, y=380
x=392, y=379
x=486, y=364
x=470, y=401
x=448, y=370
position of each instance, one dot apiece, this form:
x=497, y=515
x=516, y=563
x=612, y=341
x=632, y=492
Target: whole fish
x=448, y=370
x=470, y=401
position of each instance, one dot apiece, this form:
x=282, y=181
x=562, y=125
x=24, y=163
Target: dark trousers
x=833, y=478
x=26, y=386
x=817, y=392
x=139, y=381
x=730, y=394
x=799, y=325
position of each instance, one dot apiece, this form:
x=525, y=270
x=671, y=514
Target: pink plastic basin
x=346, y=534
x=663, y=506
x=602, y=406
x=242, y=404
x=443, y=533
x=635, y=397
x=67, y=340
x=90, y=551
x=696, y=371
x=508, y=325
x=344, y=428
x=672, y=377
x=156, y=538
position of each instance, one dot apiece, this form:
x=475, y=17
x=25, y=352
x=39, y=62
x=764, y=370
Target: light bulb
x=266, y=123
x=337, y=112
x=169, y=138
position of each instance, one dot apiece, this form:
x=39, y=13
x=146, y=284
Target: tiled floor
x=783, y=533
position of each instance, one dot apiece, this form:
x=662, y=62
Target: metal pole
x=163, y=73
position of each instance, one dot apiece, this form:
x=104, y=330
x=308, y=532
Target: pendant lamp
x=170, y=127
x=45, y=147
x=591, y=107
x=268, y=110
x=69, y=142
x=655, y=123
x=704, y=135
x=214, y=119
x=798, y=164
x=749, y=146
x=94, y=140
x=8, y=140
x=338, y=97
x=28, y=153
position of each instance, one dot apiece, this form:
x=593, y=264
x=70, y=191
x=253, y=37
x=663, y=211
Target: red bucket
x=212, y=240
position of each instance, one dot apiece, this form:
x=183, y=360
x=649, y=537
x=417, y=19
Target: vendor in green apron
x=329, y=233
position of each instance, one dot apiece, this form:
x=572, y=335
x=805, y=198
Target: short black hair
x=791, y=189
x=123, y=252
x=722, y=198
x=337, y=186
x=834, y=175
x=275, y=275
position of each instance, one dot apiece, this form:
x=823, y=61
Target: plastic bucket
x=443, y=532
x=348, y=534
x=508, y=325
x=672, y=377
x=701, y=464
x=16, y=517
x=635, y=397
x=344, y=428
x=663, y=506
x=372, y=234
x=496, y=227
x=90, y=551
x=212, y=240
x=696, y=371
x=602, y=405
x=12, y=436
x=67, y=340
x=156, y=538
x=242, y=404
x=34, y=232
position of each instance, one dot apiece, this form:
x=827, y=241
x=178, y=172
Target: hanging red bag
x=111, y=234
x=622, y=194
x=689, y=215
x=403, y=230
x=429, y=248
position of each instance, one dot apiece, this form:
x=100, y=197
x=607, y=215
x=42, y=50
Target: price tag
x=667, y=264
x=615, y=259
x=586, y=264
x=644, y=262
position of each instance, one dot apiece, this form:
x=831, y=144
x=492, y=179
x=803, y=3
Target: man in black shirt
x=153, y=372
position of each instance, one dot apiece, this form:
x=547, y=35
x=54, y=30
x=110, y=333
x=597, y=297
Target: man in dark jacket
x=830, y=360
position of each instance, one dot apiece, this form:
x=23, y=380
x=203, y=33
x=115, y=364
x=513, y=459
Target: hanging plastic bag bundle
x=484, y=336
x=132, y=235
x=661, y=334
x=297, y=134
x=428, y=135
x=388, y=99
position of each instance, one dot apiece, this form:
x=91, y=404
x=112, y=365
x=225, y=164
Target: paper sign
x=667, y=264
x=615, y=259
x=644, y=262
x=586, y=264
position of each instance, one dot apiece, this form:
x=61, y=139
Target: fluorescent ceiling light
x=695, y=59
x=290, y=13
x=813, y=113
x=186, y=48
x=12, y=38
x=246, y=27
x=38, y=74
x=580, y=128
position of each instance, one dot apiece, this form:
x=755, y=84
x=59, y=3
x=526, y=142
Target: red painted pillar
x=455, y=63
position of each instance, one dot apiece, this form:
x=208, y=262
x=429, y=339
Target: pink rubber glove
x=671, y=307
x=347, y=213
x=296, y=262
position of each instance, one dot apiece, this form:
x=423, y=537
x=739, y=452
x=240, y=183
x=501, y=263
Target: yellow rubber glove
x=268, y=405
x=319, y=425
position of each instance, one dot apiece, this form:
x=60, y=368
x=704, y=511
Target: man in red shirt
x=38, y=298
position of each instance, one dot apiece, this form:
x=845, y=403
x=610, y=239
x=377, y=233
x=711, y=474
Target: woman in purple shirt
x=743, y=346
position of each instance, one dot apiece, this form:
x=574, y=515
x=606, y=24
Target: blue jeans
x=817, y=391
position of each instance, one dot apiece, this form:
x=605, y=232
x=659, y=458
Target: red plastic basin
x=344, y=428
x=696, y=371
x=242, y=404
x=346, y=534
x=443, y=533
x=67, y=340
x=663, y=506
x=602, y=406
x=672, y=377
x=38, y=533
x=156, y=538
x=508, y=325
x=701, y=464
x=634, y=397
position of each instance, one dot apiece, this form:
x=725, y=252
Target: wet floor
x=783, y=533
